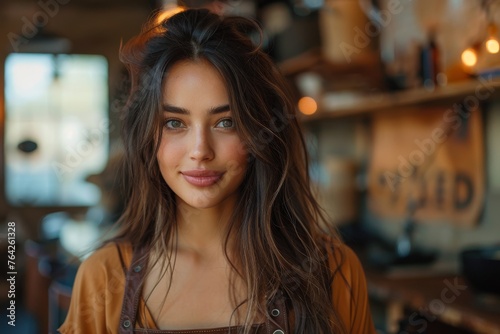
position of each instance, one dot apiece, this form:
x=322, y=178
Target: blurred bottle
x=429, y=63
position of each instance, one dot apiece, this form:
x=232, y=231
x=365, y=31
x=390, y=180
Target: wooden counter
x=445, y=298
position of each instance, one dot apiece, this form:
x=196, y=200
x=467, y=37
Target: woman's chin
x=204, y=202
x=201, y=202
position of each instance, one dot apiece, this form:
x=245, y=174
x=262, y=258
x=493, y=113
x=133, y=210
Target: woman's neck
x=202, y=231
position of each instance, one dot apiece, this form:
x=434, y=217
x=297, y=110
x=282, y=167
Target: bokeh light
x=469, y=57
x=307, y=105
x=492, y=45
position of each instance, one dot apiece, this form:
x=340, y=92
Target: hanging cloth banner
x=430, y=161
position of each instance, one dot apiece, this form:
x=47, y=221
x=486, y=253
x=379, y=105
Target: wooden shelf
x=345, y=105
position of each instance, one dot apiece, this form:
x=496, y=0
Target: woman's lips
x=202, y=178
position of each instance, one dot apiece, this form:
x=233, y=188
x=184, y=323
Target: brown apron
x=276, y=319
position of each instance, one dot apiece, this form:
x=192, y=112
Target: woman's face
x=201, y=156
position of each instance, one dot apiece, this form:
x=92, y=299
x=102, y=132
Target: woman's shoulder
x=98, y=291
x=342, y=258
x=349, y=288
x=109, y=257
x=349, y=281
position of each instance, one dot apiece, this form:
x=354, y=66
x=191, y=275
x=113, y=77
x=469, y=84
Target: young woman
x=221, y=233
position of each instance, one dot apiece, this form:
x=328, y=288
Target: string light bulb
x=469, y=57
x=307, y=105
x=492, y=45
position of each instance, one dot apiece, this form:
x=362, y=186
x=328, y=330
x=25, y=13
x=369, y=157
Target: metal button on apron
x=278, y=331
x=126, y=323
x=137, y=269
x=275, y=312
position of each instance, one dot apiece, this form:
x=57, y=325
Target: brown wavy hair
x=277, y=223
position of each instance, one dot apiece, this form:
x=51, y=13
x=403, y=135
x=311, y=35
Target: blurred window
x=56, y=128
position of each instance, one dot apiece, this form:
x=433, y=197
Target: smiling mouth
x=202, y=178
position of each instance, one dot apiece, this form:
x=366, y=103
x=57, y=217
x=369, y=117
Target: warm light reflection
x=307, y=105
x=166, y=13
x=492, y=45
x=469, y=57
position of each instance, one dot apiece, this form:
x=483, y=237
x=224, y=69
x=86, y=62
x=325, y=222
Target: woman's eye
x=173, y=124
x=225, y=123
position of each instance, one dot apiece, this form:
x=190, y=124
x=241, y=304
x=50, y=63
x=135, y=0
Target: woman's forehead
x=194, y=85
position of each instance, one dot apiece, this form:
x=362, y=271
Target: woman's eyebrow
x=219, y=109
x=178, y=110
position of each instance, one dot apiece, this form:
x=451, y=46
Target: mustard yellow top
x=97, y=296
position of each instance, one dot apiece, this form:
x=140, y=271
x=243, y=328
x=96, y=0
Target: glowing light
x=167, y=13
x=469, y=57
x=307, y=105
x=492, y=45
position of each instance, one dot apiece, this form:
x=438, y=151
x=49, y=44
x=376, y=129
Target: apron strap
x=277, y=319
x=132, y=294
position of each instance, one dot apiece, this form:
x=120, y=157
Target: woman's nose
x=201, y=149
